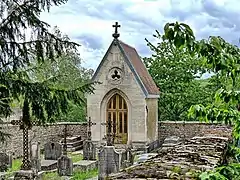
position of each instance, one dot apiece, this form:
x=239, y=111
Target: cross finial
x=116, y=34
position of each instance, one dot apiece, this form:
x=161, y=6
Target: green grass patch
x=16, y=165
x=75, y=157
x=80, y=175
x=51, y=176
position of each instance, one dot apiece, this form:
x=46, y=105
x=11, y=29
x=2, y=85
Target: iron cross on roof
x=116, y=26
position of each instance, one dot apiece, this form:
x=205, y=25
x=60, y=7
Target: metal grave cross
x=116, y=34
x=110, y=136
x=26, y=164
x=114, y=132
x=90, y=123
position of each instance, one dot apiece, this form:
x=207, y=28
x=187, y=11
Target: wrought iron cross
x=90, y=123
x=108, y=135
x=116, y=34
x=26, y=164
x=109, y=128
x=65, y=140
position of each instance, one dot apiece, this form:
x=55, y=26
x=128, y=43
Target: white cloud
x=90, y=22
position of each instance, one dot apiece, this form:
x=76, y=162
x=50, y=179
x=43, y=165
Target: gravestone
x=89, y=150
x=52, y=151
x=24, y=175
x=35, y=157
x=5, y=162
x=65, y=166
x=109, y=162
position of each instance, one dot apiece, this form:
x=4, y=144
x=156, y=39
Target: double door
x=118, y=114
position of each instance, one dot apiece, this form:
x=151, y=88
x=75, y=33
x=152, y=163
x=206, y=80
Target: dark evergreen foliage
x=23, y=39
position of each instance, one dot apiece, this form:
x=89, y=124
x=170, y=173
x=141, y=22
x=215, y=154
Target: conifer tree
x=24, y=38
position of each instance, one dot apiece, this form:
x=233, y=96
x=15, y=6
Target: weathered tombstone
x=24, y=175
x=5, y=162
x=109, y=162
x=35, y=157
x=89, y=150
x=131, y=157
x=52, y=151
x=65, y=166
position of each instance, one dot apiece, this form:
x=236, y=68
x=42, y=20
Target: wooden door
x=117, y=112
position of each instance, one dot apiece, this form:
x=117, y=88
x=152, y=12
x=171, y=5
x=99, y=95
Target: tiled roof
x=140, y=68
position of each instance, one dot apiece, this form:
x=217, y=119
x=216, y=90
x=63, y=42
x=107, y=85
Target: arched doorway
x=118, y=113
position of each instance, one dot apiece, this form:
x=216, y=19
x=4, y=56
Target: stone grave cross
x=89, y=133
x=26, y=164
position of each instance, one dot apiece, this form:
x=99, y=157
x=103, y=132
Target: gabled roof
x=137, y=67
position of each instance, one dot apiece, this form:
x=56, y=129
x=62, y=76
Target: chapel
x=126, y=95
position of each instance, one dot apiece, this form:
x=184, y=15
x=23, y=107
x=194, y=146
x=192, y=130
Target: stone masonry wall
x=191, y=129
x=55, y=132
x=42, y=134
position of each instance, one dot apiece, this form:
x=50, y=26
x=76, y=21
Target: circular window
x=115, y=75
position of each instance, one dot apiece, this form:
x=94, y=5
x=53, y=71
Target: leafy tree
x=41, y=101
x=66, y=72
x=175, y=71
x=223, y=59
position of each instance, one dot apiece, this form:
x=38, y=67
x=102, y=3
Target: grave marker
x=5, y=162
x=65, y=166
x=35, y=157
x=26, y=164
x=109, y=162
x=52, y=151
x=110, y=137
x=89, y=150
x=90, y=123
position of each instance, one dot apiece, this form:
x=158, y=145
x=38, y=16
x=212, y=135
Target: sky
x=89, y=22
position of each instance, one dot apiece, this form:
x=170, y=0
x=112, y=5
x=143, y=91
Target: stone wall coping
x=50, y=124
x=190, y=122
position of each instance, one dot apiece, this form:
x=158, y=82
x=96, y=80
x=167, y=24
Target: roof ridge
x=127, y=45
x=140, y=68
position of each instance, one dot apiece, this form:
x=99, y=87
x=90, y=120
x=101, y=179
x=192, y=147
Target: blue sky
x=89, y=23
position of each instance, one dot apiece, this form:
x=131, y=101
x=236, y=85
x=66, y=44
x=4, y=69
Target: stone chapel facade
x=126, y=94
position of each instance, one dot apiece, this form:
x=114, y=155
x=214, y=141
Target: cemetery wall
x=191, y=129
x=55, y=132
x=41, y=134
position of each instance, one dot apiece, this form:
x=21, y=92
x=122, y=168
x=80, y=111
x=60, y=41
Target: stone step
x=73, y=149
x=75, y=144
x=47, y=165
x=85, y=165
x=73, y=139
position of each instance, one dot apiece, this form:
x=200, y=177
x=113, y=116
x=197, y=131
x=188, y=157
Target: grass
x=16, y=165
x=75, y=157
x=51, y=176
x=78, y=175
